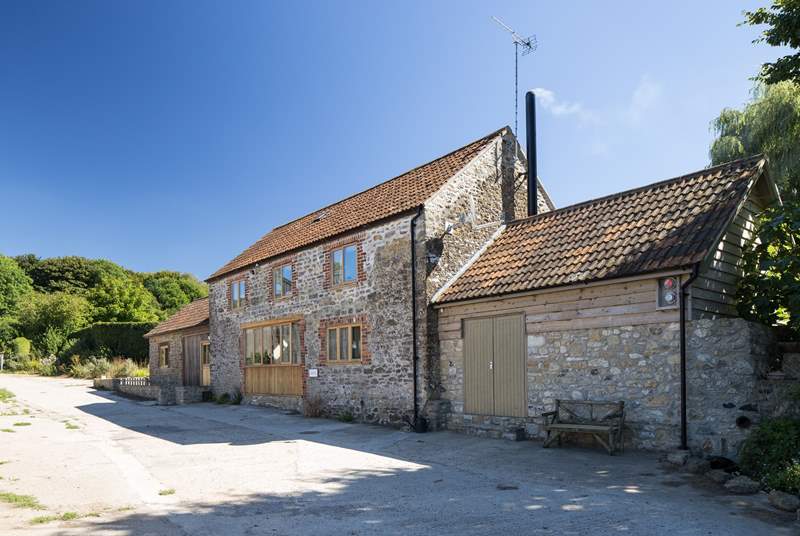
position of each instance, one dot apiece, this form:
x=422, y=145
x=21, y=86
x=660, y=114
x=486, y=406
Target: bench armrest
x=549, y=417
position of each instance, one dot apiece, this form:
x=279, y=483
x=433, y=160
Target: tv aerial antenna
x=526, y=45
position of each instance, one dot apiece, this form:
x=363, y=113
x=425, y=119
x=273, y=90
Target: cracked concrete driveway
x=114, y=463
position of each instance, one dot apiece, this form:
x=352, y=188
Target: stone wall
x=169, y=379
x=477, y=201
x=377, y=389
x=138, y=387
x=171, y=376
x=727, y=395
x=640, y=364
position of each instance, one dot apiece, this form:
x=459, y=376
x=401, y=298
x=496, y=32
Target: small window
x=344, y=265
x=668, y=289
x=271, y=345
x=344, y=343
x=163, y=356
x=205, y=354
x=282, y=280
x=238, y=294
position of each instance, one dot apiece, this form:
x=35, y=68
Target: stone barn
x=331, y=312
x=180, y=354
x=612, y=299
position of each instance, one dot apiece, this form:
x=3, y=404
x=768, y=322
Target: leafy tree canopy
x=14, y=285
x=76, y=275
x=783, y=21
x=769, y=124
x=49, y=319
x=123, y=299
x=173, y=290
x=769, y=291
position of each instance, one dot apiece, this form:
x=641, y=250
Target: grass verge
x=169, y=491
x=21, y=501
x=5, y=395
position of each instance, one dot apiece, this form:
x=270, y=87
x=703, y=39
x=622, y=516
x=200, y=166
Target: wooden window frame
x=205, y=352
x=257, y=328
x=163, y=355
x=343, y=281
x=237, y=302
x=277, y=272
x=338, y=354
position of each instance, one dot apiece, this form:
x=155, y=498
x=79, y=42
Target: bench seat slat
x=584, y=427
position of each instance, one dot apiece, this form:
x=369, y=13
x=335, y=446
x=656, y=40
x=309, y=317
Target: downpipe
x=683, y=294
x=417, y=424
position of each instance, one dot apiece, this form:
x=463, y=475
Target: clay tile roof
x=189, y=316
x=665, y=225
x=393, y=197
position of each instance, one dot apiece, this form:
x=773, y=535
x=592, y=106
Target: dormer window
x=238, y=294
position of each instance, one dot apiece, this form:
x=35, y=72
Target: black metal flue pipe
x=530, y=128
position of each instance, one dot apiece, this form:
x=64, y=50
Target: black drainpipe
x=683, y=292
x=418, y=424
x=530, y=142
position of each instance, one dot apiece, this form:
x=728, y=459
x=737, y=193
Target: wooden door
x=478, y=354
x=509, y=369
x=192, y=368
x=494, y=366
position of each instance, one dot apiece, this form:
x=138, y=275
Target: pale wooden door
x=509, y=369
x=478, y=355
x=494, y=366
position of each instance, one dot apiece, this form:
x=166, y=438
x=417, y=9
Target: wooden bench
x=604, y=420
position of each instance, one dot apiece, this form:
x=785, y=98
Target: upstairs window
x=238, y=294
x=163, y=356
x=344, y=267
x=344, y=343
x=282, y=281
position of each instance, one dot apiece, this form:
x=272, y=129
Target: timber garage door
x=494, y=366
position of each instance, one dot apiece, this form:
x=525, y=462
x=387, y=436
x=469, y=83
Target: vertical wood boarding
x=494, y=366
x=509, y=366
x=478, y=350
x=192, y=373
x=274, y=380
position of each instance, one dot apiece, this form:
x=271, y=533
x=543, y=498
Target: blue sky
x=171, y=135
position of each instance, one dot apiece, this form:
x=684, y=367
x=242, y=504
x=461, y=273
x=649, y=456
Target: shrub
x=771, y=454
x=122, y=368
x=108, y=339
x=21, y=347
x=346, y=417
x=92, y=367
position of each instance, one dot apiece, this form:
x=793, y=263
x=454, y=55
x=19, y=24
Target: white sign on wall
x=313, y=373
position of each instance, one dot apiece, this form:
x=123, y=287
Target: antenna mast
x=528, y=45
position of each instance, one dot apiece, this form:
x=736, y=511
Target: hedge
x=112, y=339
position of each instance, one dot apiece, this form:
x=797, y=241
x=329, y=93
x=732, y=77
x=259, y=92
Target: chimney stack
x=530, y=130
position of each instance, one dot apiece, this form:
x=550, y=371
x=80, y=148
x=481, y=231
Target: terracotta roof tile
x=665, y=225
x=390, y=198
x=189, y=316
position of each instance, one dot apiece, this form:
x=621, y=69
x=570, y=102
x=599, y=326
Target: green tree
x=123, y=299
x=769, y=290
x=173, y=290
x=27, y=262
x=49, y=319
x=783, y=21
x=769, y=124
x=76, y=275
x=14, y=285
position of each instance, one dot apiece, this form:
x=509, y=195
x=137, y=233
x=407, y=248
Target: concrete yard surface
x=116, y=466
